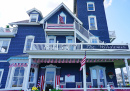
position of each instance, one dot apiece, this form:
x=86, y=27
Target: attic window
x=61, y=18
x=90, y=6
x=33, y=17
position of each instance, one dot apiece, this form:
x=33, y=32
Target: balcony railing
x=8, y=30
x=77, y=46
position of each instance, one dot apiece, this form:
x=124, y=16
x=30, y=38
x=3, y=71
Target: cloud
x=107, y=3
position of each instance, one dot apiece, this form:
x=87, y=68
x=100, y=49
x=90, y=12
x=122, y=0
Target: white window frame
x=8, y=44
x=97, y=67
x=93, y=6
x=69, y=37
x=62, y=15
x=91, y=38
x=11, y=78
x=95, y=21
x=35, y=15
x=28, y=37
x=51, y=37
x=2, y=71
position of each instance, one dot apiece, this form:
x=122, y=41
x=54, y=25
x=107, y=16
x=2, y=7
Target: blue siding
x=54, y=18
x=17, y=43
x=5, y=66
x=83, y=14
x=61, y=39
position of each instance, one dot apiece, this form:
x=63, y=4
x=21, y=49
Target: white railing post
x=74, y=24
x=81, y=46
x=31, y=48
x=57, y=45
x=108, y=87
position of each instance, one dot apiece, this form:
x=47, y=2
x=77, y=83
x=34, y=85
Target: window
x=18, y=77
x=61, y=18
x=51, y=39
x=90, y=6
x=69, y=39
x=32, y=77
x=1, y=74
x=92, y=22
x=94, y=40
x=4, y=45
x=33, y=17
x=98, y=76
x=29, y=40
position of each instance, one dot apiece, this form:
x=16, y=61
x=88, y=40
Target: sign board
x=70, y=78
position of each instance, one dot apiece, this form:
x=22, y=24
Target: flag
x=61, y=19
x=83, y=62
x=42, y=82
x=38, y=83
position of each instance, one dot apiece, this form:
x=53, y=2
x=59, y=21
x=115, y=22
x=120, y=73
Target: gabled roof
x=34, y=9
x=62, y=5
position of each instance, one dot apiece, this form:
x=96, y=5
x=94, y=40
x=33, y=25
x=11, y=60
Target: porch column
x=123, y=78
x=27, y=75
x=127, y=69
x=84, y=77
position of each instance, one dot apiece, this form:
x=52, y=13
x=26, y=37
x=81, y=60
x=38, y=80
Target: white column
x=127, y=69
x=123, y=78
x=84, y=77
x=27, y=74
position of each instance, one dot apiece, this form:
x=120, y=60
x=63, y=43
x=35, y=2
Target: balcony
x=8, y=32
x=43, y=47
x=112, y=36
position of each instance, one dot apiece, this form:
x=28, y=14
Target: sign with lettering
x=70, y=78
x=91, y=46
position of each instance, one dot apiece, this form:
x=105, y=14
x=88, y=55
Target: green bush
x=55, y=90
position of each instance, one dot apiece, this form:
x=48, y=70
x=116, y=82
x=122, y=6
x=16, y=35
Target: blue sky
x=118, y=18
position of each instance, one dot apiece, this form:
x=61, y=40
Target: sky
x=117, y=14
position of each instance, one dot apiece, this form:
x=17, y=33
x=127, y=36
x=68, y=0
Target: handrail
x=8, y=30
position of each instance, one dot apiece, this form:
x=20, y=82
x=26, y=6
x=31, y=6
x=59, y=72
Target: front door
x=50, y=78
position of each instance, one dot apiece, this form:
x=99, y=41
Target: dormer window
x=33, y=17
x=90, y=6
x=61, y=18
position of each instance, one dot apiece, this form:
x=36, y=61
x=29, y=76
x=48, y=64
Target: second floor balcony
x=8, y=32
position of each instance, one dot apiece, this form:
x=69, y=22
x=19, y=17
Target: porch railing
x=8, y=30
x=77, y=46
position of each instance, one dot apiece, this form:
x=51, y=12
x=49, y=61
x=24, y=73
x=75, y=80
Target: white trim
x=30, y=23
x=36, y=15
x=28, y=37
x=2, y=71
x=93, y=6
x=56, y=9
x=62, y=15
x=95, y=21
x=91, y=38
x=5, y=39
x=51, y=37
x=70, y=37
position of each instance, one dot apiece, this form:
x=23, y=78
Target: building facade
x=51, y=48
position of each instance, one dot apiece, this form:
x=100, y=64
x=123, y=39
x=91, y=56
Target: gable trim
x=56, y=9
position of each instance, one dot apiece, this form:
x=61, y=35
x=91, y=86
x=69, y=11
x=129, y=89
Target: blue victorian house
x=51, y=48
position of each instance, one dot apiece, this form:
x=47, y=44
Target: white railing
x=8, y=30
x=77, y=46
x=112, y=34
x=83, y=31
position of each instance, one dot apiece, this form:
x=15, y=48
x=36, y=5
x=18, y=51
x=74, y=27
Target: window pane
x=32, y=70
x=20, y=81
x=90, y=7
x=51, y=40
x=21, y=72
x=61, y=20
x=94, y=74
x=16, y=71
x=15, y=80
x=101, y=74
x=70, y=41
x=28, y=45
x=94, y=40
x=31, y=79
x=50, y=76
